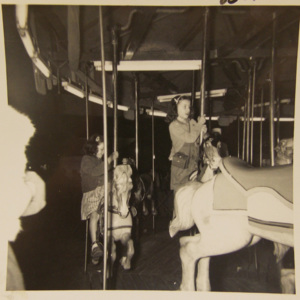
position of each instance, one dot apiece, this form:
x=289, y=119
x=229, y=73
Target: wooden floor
x=157, y=267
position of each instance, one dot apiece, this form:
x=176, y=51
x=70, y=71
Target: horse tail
x=182, y=204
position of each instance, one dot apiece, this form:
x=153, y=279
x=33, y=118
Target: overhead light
x=214, y=118
x=99, y=100
x=285, y=119
x=151, y=65
x=282, y=101
x=95, y=99
x=263, y=119
x=73, y=89
x=212, y=94
x=156, y=113
x=120, y=107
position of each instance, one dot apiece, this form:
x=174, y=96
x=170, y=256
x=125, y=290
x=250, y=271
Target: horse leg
x=127, y=242
x=113, y=256
x=219, y=235
x=202, y=281
x=188, y=255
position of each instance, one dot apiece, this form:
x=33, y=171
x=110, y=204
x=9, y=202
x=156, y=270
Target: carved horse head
x=121, y=190
x=211, y=155
x=285, y=150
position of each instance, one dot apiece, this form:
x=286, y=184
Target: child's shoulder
x=87, y=157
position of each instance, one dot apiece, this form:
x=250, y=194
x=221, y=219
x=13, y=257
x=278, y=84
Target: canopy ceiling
x=68, y=40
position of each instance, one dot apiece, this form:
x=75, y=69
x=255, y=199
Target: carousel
x=76, y=70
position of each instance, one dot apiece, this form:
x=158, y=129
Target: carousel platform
x=50, y=251
x=157, y=266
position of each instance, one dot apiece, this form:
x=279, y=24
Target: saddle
x=231, y=186
x=278, y=178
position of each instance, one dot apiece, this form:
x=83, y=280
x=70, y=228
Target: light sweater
x=182, y=133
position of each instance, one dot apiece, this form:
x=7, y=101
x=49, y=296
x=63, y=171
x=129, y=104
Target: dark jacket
x=92, y=172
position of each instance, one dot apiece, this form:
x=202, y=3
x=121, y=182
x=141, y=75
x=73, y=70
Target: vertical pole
x=278, y=121
x=261, y=126
x=244, y=131
x=203, y=69
x=87, y=137
x=248, y=113
x=115, y=88
x=105, y=147
x=153, y=164
x=193, y=88
x=272, y=92
x=136, y=94
x=252, y=110
x=239, y=136
x=86, y=106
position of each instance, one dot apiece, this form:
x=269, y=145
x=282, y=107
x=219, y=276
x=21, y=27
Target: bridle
x=115, y=209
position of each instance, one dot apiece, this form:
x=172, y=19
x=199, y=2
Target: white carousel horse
x=261, y=208
x=119, y=216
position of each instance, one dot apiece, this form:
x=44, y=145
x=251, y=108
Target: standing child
x=92, y=183
x=185, y=135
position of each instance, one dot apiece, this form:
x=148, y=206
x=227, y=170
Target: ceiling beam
x=140, y=26
x=73, y=37
x=245, y=34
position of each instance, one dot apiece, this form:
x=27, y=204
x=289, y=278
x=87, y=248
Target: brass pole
x=252, y=110
x=136, y=86
x=153, y=164
x=261, y=126
x=203, y=69
x=115, y=87
x=239, y=138
x=248, y=113
x=272, y=92
x=105, y=147
x=87, y=137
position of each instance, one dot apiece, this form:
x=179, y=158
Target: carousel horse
x=234, y=209
x=119, y=218
x=284, y=150
x=142, y=191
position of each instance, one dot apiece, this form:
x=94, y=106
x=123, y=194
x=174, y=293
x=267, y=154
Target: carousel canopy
x=56, y=49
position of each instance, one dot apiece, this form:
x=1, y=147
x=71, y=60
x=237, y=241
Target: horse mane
x=118, y=180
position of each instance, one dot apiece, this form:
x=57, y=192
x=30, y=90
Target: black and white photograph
x=149, y=147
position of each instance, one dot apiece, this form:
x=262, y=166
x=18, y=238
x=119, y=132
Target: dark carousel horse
x=142, y=200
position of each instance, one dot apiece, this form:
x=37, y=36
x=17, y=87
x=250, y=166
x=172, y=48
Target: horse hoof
x=125, y=263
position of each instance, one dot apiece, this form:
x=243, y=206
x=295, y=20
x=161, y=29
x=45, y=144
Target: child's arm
x=113, y=156
x=179, y=132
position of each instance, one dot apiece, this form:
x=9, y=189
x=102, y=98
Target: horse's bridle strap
x=119, y=227
x=113, y=210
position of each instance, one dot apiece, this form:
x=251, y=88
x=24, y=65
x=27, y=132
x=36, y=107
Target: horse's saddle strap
x=278, y=178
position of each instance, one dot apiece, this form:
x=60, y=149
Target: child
x=185, y=135
x=92, y=183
